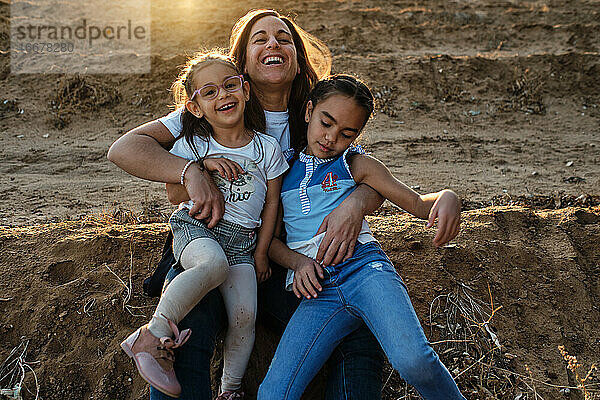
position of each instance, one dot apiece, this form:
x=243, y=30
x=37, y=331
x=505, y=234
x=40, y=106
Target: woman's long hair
x=314, y=60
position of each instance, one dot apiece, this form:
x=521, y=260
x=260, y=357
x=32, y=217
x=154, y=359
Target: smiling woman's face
x=271, y=53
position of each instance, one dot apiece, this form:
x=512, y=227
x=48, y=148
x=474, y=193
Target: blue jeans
x=364, y=288
x=355, y=367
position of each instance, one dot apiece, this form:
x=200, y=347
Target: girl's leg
x=205, y=267
x=239, y=296
x=356, y=365
x=315, y=329
x=192, y=361
x=382, y=300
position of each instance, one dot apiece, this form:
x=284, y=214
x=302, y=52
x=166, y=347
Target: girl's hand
x=226, y=168
x=305, y=278
x=447, y=209
x=263, y=270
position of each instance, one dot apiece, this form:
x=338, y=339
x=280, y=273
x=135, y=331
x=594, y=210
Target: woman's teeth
x=273, y=60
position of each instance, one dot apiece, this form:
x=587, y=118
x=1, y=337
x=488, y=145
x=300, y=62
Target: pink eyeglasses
x=230, y=84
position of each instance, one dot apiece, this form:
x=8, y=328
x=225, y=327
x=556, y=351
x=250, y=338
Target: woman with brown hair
x=282, y=62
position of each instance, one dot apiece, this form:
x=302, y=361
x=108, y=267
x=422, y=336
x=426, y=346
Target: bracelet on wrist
x=184, y=170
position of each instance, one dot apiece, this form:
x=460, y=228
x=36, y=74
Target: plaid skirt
x=238, y=242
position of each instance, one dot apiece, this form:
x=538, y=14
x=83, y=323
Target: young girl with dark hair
x=366, y=287
x=220, y=135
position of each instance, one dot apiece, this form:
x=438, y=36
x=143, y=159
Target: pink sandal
x=154, y=361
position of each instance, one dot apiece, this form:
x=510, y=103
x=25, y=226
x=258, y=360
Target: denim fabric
x=355, y=366
x=364, y=288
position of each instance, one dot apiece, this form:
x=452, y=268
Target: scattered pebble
x=445, y=131
x=474, y=112
x=46, y=135
x=63, y=314
x=416, y=187
x=535, y=173
x=20, y=136
x=574, y=179
x=569, y=164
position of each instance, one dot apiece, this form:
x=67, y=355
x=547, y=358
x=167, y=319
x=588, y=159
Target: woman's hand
x=447, y=209
x=344, y=223
x=263, y=270
x=306, y=282
x=341, y=228
x=226, y=168
x=209, y=204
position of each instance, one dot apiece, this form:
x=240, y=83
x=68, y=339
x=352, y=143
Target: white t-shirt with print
x=261, y=159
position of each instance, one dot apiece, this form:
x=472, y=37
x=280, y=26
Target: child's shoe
x=154, y=357
x=231, y=395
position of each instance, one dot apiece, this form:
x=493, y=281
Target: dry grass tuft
x=583, y=380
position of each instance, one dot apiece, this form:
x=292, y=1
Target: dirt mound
x=81, y=94
x=516, y=284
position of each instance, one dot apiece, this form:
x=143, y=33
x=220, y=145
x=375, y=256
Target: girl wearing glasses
x=219, y=134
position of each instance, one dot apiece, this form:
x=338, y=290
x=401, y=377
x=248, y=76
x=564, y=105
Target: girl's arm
x=265, y=232
x=142, y=152
x=305, y=269
x=343, y=224
x=444, y=205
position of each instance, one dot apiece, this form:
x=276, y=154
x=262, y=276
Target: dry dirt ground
x=498, y=100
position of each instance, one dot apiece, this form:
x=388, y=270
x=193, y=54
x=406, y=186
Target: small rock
x=445, y=131
x=474, y=112
x=20, y=136
x=46, y=135
x=535, y=173
x=63, y=314
x=416, y=187
x=569, y=164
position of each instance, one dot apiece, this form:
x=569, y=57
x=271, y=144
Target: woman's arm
x=142, y=152
x=267, y=228
x=444, y=205
x=343, y=224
